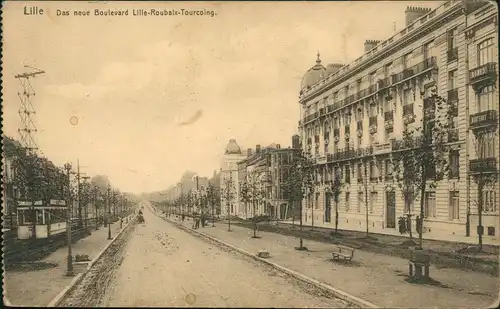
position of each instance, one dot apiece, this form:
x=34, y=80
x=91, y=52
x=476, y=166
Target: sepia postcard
x=258, y=154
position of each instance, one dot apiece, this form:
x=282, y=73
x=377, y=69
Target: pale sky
x=132, y=80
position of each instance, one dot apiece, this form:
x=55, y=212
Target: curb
x=54, y=302
x=336, y=292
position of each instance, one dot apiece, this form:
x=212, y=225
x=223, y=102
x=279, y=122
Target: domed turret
x=333, y=67
x=313, y=75
x=233, y=148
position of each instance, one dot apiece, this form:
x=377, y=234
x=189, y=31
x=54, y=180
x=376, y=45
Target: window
x=347, y=202
x=490, y=201
x=347, y=118
x=430, y=205
x=388, y=168
x=359, y=114
x=387, y=105
x=406, y=60
x=387, y=69
x=452, y=38
x=358, y=85
x=373, y=110
x=373, y=201
x=486, y=145
x=347, y=174
x=427, y=49
x=486, y=99
x=454, y=205
x=360, y=172
x=486, y=52
x=452, y=80
x=335, y=147
x=316, y=202
x=372, y=78
x=407, y=97
x=336, y=96
x=373, y=171
x=454, y=160
x=360, y=201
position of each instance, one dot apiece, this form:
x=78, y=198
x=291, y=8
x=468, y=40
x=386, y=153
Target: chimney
x=295, y=142
x=257, y=149
x=278, y=146
x=369, y=44
x=412, y=13
x=249, y=152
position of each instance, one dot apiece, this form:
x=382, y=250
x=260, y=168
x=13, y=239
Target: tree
x=335, y=189
x=300, y=184
x=228, y=195
x=421, y=162
x=253, y=192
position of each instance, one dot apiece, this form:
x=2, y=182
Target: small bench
x=343, y=252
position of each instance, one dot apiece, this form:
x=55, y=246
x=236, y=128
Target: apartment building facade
x=352, y=118
x=229, y=181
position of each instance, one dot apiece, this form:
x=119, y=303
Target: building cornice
x=432, y=25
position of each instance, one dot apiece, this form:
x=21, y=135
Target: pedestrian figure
x=401, y=225
x=419, y=225
x=408, y=223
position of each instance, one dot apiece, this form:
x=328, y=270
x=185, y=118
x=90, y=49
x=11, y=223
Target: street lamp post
x=69, y=270
x=109, y=212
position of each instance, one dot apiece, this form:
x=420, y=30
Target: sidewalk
x=376, y=278
x=447, y=254
x=428, y=237
x=29, y=287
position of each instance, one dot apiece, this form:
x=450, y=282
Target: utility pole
x=69, y=270
x=366, y=196
x=109, y=211
x=229, y=202
x=86, y=199
x=95, y=190
x=197, y=193
x=80, y=220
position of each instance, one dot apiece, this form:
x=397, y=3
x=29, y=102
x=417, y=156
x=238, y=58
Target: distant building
x=229, y=182
x=353, y=115
x=272, y=163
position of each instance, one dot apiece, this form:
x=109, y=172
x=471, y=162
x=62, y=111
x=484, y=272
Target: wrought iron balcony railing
x=483, y=74
x=484, y=119
x=484, y=165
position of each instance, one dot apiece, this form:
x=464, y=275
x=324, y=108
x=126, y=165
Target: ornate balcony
x=483, y=75
x=452, y=54
x=485, y=165
x=484, y=120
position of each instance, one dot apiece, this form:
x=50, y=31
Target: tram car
x=41, y=220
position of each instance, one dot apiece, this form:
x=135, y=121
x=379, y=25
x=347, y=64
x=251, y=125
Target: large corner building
x=352, y=118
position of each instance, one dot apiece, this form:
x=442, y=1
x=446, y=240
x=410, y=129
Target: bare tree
x=228, y=195
x=420, y=157
x=335, y=189
x=300, y=184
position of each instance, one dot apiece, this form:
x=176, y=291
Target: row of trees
x=418, y=167
x=204, y=201
x=35, y=178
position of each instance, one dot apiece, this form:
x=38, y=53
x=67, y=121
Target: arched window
x=485, y=52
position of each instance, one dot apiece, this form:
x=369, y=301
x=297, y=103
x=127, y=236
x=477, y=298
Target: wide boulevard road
x=165, y=266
